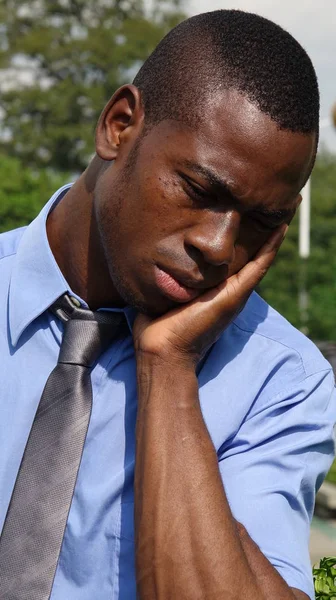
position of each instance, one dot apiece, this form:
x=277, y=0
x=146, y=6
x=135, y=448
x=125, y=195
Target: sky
x=313, y=24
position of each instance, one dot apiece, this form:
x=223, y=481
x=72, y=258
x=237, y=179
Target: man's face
x=195, y=204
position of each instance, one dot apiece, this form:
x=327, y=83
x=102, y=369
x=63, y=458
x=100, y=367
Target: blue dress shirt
x=267, y=397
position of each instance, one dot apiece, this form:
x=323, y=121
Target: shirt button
x=75, y=301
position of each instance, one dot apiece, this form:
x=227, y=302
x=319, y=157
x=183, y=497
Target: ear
x=121, y=119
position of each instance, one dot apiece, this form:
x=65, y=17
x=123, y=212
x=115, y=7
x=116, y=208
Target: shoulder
x=261, y=358
x=9, y=242
x=269, y=331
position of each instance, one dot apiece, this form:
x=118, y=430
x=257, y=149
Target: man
x=198, y=170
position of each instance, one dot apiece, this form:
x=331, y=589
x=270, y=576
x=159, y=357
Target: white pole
x=304, y=222
x=304, y=216
x=304, y=248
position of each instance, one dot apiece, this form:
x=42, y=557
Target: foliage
x=325, y=579
x=282, y=284
x=66, y=58
x=23, y=192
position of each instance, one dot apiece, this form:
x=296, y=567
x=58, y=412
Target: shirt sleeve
x=273, y=467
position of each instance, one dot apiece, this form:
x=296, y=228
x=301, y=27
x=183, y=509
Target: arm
x=188, y=545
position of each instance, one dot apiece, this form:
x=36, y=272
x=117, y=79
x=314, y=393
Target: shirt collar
x=37, y=280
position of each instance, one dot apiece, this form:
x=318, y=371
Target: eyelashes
x=194, y=191
x=199, y=194
x=263, y=226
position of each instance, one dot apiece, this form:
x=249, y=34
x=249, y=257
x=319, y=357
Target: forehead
x=242, y=146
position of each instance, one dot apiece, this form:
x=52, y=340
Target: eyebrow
x=212, y=178
x=222, y=185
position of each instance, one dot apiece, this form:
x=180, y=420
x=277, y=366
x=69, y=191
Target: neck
x=75, y=243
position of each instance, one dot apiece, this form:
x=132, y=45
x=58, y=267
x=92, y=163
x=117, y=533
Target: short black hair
x=230, y=49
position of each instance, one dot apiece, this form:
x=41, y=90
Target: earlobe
x=121, y=117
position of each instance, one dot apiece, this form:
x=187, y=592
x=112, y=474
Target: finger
x=254, y=271
x=226, y=299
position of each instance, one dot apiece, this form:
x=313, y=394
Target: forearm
x=188, y=545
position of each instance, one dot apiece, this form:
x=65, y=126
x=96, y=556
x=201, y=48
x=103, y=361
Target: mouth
x=173, y=288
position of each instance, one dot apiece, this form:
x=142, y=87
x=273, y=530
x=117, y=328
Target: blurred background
x=61, y=60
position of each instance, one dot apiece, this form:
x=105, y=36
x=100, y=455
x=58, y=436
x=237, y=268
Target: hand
x=183, y=335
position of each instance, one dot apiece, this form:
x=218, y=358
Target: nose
x=215, y=237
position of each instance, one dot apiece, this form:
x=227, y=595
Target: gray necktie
x=32, y=535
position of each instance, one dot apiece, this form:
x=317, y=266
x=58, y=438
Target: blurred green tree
x=60, y=61
x=24, y=191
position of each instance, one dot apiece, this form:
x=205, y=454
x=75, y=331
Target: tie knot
x=87, y=334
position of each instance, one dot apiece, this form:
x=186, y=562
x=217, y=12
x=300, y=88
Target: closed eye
x=266, y=222
x=194, y=190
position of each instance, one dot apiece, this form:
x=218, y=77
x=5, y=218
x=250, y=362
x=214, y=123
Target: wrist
x=168, y=383
x=165, y=361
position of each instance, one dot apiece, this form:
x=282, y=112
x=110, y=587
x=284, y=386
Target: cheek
x=241, y=258
x=247, y=245
x=162, y=212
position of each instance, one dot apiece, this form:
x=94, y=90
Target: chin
x=147, y=307
x=138, y=300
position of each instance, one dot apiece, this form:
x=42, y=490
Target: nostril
x=219, y=254
x=211, y=254
x=215, y=238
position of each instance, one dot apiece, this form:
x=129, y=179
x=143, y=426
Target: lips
x=173, y=288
